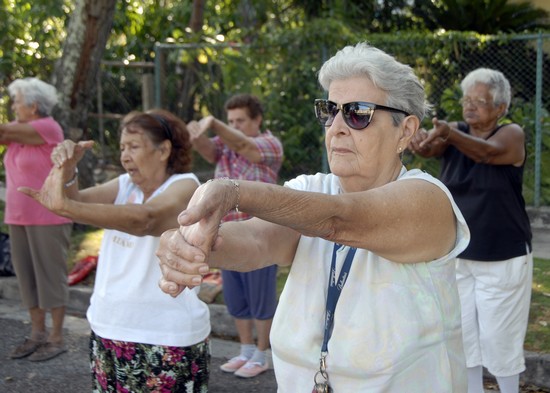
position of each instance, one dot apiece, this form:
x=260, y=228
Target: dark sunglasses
x=357, y=115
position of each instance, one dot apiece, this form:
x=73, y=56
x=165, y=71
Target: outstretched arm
x=23, y=133
x=95, y=205
x=505, y=147
x=434, y=142
x=200, y=140
x=240, y=246
x=373, y=219
x=231, y=137
x=404, y=221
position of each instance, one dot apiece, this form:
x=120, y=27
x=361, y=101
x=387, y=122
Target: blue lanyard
x=334, y=291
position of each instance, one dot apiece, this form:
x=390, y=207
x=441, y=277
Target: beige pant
x=39, y=257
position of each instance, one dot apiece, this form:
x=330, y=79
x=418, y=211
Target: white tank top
x=127, y=303
x=397, y=327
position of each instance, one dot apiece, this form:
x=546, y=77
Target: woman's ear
x=502, y=110
x=409, y=126
x=166, y=149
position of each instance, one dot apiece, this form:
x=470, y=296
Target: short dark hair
x=248, y=101
x=160, y=125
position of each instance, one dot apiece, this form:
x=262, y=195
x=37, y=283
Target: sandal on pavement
x=28, y=347
x=47, y=351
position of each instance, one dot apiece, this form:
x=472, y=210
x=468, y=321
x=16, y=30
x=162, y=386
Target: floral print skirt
x=127, y=367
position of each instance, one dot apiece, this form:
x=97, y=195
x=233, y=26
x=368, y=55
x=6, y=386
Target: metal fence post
x=538, y=125
x=157, y=74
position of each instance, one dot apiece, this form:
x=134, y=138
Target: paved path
x=541, y=243
x=69, y=372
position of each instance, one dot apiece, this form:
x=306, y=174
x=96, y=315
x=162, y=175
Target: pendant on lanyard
x=320, y=380
x=321, y=387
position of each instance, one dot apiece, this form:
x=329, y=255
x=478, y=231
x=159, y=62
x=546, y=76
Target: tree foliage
x=481, y=16
x=272, y=48
x=31, y=34
x=30, y=41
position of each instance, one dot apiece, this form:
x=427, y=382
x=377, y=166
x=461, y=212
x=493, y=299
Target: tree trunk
x=76, y=72
x=197, y=16
x=189, y=82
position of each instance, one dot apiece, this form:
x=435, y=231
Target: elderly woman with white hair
x=370, y=303
x=39, y=239
x=482, y=161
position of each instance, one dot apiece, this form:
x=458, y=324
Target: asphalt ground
x=69, y=372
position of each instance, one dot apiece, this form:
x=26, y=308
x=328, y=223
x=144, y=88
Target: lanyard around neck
x=334, y=290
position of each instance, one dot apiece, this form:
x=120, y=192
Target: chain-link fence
x=193, y=80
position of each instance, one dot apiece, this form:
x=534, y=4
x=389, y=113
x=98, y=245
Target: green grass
x=86, y=242
x=538, y=332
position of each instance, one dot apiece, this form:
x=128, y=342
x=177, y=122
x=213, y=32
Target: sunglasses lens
x=357, y=115
x=324, y=111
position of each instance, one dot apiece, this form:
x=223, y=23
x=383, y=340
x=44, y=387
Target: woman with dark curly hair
x=138, y=342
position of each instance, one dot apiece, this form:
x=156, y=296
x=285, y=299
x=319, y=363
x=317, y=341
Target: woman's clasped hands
x=183, y=252
x=182, y=264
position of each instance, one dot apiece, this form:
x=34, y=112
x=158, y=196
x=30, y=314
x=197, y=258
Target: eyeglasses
x=357, y=115
x=477, y=102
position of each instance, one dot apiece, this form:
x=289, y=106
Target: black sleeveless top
x=490, y=198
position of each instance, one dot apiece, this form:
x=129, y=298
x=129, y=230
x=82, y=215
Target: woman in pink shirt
x=39, y=239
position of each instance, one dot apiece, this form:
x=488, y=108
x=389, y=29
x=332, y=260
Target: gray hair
x=403, y=89
x=499, y=87
x=35, y=91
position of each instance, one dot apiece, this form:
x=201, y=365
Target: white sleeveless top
x=397, y=327
x=127, y=303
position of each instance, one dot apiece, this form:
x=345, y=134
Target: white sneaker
x=252, y=369
x=233, y=364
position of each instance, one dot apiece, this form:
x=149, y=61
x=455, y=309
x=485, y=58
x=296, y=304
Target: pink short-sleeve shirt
x=29, y=165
